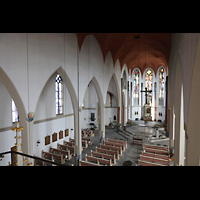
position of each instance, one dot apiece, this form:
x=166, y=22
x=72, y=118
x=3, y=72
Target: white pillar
x=97, y=114
x=125, y=106
x=77, y=136
x=102, y=123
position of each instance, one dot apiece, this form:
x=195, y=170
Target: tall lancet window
x=149, y=84
x=161, y=86
x=59, y=95
x=15, y=116
x=136, y=78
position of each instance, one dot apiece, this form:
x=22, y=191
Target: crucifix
x=146, y=93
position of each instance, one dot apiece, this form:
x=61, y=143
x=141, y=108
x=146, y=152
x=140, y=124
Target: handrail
x=33, y=157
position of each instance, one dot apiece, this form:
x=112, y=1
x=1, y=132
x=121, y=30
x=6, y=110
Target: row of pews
x=105, y=155
x=65, y=151
x=154, y=155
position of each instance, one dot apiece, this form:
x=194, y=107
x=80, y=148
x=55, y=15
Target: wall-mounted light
x=38, y=142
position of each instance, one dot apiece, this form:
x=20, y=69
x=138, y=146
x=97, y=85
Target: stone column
x=102, y=124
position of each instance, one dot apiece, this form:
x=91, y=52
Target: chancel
x=99, y=99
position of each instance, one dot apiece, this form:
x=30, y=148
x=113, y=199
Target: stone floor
x=133, y=151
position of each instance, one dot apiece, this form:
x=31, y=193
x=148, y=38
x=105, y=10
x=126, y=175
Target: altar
x=147, y=113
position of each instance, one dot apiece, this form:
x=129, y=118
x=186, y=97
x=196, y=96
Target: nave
x=132, y=154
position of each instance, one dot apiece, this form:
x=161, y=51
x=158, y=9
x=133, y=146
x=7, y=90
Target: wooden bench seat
x=89, y=141
x=154, y=155
x=104, y=156
x=157, y=147
x=157, y=151
x=117, y=141
x=53, y=157
x=106, y=151
x=111, y=148
x=155, y=160
x=70, y=144
x=146, y=163
x=84, y=143
x=84, y=163
x=65, y=147
x=138, y=141
x=115, y=145
x=63, y=152
x=98, y=160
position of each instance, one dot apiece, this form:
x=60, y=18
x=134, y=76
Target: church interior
x=99, y=99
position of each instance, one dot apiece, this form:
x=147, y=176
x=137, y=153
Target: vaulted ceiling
x=140, y=50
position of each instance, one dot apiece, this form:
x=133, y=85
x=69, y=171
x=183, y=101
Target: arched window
x=59, y=95
x=149, y=84
x=15, y=116
x=161, y=88
x=136, y=77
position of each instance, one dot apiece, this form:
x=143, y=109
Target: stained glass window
x=149, y=84
x=136, y=77
x=149, y=79
x=59, y=95
x=15, y=116
x=161, y=86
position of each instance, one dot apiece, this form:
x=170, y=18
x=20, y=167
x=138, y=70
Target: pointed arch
x=101, y=105
x=7, y=82
x=75, y=105
x=117, y=88
x=124, y=68
x=66, y=80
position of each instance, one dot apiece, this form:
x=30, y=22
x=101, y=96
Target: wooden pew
x=53, y=156
x=117, y=141
x=63, y=152
x=157, y=147
x=157, y=151
x=84, y=163
x=138, y=141
x=98, y=160
x=106, y=151
x=146, y=163
x=111, y=148
x=64, y=147
x=70, y=144
x=155, y=160
x=89, y=141
x=84, y=143
x=154, y=155
x=115, y=145
x=104, y=156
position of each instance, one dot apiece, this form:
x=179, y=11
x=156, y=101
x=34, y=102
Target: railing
x=36, y=160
